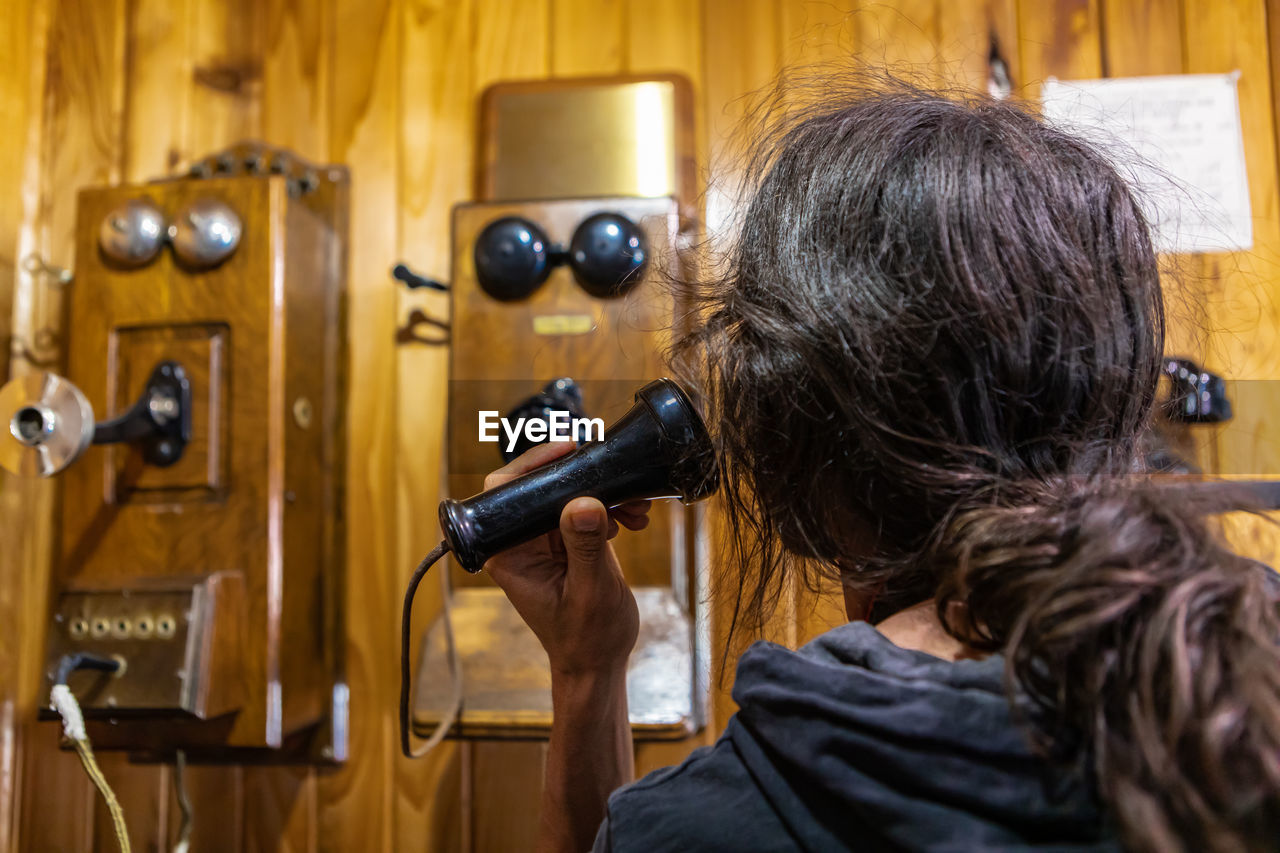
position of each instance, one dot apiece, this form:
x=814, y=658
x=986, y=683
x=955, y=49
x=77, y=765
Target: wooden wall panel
x=966, y=30
x=587, y=37
x=902, y=37
x=79, y=141
x=23, y=33
x=130, y=89
x=158, y=83
x=356, y=802
x=435, y=138
x=1058, y=38
x=1238, y=289
x=664, y=36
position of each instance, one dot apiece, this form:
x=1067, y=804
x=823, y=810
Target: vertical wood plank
x=501, y=774
x=901, y=37
x=512, y=41
x=741, y=56
x=79, y=143
x=587, y=37
x=227, y=59
x=1239, y=288
x=664, y=35
x=225, y=44
x=23, y=33
x=356, y=802
x=966, y=29
x=436, y=138
x=819, y=33
x=280, y=810
x=1142, y=37
x=158, y=90
x=296, y=76
x=820, y=39
x=143, y=794
x=1059, y=38
x=217, y=799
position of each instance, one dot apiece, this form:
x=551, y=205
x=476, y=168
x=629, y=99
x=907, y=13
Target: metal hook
x=38, y=267
x=408, y=333
x=999, y=79
x=45, y=340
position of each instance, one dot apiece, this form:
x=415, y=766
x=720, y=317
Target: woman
x=929, y=363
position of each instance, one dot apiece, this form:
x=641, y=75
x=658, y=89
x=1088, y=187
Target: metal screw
x=164, y=452
x=163, y=406
x=302, y=412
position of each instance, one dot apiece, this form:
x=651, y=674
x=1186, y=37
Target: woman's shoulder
x=708, y=801
x=851, y=737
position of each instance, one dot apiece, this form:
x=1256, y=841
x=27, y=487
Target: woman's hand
x=567, y=585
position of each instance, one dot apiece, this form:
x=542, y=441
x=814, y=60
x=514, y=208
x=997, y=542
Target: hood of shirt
x=913, y=751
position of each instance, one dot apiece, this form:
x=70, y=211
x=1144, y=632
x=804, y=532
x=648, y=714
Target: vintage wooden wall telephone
x=198, y=435
x=559, y=303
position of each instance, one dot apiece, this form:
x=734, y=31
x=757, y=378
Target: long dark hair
x=931, y=352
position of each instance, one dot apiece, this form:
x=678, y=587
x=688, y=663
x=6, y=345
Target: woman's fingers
x=631, y=522
x=633, y=516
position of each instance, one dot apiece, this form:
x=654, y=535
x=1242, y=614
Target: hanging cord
x=184, y=802
x=455, y=663
x=64, y=702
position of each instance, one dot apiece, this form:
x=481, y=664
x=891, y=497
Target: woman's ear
x=858, y=603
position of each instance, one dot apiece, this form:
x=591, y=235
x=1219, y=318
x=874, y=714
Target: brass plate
x=506, y=678
x=575, y=138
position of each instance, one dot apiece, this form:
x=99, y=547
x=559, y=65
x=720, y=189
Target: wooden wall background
x=101, y=91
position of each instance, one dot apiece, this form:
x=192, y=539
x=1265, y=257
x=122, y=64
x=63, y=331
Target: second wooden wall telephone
x=198, y=433
x=560, y=308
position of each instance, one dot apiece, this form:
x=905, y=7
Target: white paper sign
x=1185, y=131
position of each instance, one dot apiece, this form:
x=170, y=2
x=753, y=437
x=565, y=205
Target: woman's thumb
x=584, y=527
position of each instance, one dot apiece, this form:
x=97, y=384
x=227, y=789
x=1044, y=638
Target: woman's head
x=927, y=303
x=931, y=352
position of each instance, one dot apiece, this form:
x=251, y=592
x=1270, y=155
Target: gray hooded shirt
x=852, y=743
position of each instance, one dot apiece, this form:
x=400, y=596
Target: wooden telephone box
x=216, y=578
x=558, y=155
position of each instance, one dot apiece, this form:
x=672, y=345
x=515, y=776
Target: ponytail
x=1126, y=622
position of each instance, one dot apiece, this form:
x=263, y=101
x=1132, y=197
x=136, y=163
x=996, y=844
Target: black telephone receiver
x=659, y=449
